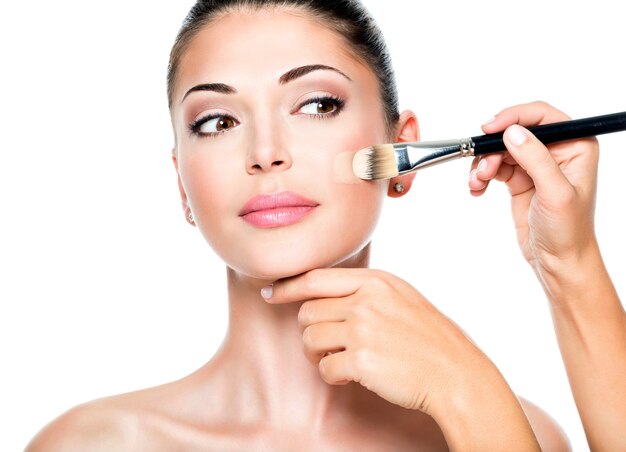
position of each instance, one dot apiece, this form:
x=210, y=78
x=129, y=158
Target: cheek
x=200, y=180
x=351, y=210
x=358, y=209
x=329, y=148
x=354, y=204
x=206, y=180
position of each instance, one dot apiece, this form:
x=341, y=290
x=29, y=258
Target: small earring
x=190, y=216
x=399, y=187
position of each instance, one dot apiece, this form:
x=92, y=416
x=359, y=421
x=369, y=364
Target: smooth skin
x=404, y=376
x=553, y=193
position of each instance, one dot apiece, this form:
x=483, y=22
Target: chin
x=270, y=265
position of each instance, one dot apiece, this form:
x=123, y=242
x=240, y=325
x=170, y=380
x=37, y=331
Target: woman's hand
x=552, y=188
x=383, y=334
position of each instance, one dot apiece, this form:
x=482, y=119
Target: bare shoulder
x=154, y=418
x=99, y=425
x=549, y=433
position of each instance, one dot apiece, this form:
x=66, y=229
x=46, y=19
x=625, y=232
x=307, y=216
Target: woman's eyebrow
x=304, y=70
x=216, y=87
x=285, y=78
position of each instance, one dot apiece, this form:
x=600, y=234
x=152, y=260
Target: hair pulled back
x=348, y=18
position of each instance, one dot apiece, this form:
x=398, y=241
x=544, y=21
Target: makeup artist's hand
x=386, y=336
x=553, y=193
x=552, y=188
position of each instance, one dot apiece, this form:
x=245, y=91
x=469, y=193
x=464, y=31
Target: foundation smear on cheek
x=342, y=169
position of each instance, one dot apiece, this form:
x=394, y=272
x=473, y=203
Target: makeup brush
x=385, y=161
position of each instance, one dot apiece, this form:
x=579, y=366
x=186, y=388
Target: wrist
x=565, y=279
x=481, y=412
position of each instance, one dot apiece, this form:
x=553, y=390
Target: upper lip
x=276, y=200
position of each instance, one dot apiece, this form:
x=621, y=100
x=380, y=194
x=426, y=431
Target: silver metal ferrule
x=421, y=154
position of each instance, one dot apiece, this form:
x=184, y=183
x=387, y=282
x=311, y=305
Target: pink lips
x=279, y=209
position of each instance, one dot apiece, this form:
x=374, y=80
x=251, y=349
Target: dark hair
x=349, y=18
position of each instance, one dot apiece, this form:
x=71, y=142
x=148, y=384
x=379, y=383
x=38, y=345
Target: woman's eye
x=213, y=125
x=323, y=106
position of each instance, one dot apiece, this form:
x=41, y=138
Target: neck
x=264, y=375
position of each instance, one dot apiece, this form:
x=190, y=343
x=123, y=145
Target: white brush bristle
x=376, y=162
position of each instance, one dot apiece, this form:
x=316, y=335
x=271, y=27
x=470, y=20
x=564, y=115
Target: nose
x=267, y=154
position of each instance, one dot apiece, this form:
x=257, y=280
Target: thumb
x=532, y=155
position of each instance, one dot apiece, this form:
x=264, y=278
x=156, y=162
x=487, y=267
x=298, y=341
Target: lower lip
x=274, y=218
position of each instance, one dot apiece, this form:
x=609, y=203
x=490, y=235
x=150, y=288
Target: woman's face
x=256, y=136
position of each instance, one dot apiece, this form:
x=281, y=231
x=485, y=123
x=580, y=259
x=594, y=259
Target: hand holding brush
x=389, y=160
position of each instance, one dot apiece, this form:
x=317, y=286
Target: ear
x=181, y=189
x=406, y=130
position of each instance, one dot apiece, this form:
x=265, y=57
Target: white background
x=105, y=289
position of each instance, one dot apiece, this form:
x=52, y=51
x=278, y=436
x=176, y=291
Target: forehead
x=250, y=48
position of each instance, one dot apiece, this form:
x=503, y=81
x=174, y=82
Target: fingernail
x=516, y=135
x=492, y=120
x=473, y=175
x=482, y=165
x=267, y=292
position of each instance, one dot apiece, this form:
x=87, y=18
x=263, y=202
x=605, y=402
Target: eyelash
x=195, y=126
x=339, y=103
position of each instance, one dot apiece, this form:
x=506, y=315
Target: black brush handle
x=557, y=131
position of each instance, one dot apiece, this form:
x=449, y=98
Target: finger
x=324, y=337
x=488, y=166
x=484, y=169
x=318, y=283
x=335, y=369
x=478, y=193
x=505, y=172
x=322, y=310
x=535, y=158
x=474, y=183
x=516, y=179
x=529, y=114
